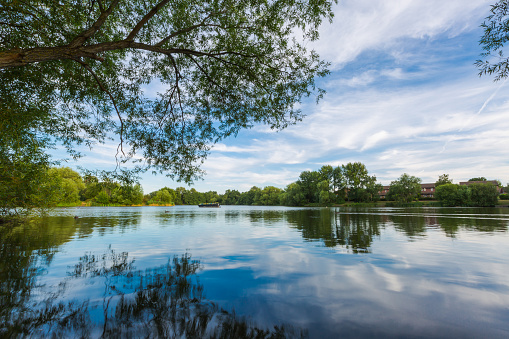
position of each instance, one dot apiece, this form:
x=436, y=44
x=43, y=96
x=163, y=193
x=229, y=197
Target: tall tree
x=269, y=196
x=453, y=195
x=405, y=189
x=77, y=72
x=483, y=195
x=292, y=196
x=443, y=180
x=326, y=173
x=70, y=183
x=162, y=197
x=339, y=183
x=308, y=182
x=359, y=184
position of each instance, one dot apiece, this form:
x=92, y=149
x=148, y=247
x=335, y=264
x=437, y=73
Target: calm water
x=268, y=271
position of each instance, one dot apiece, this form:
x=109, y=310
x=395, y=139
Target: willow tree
x=164, y=79
x=493, y=60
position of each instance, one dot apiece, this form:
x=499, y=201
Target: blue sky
x=403, y=97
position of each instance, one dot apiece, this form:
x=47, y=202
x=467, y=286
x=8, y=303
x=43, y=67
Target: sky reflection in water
x=311, y=272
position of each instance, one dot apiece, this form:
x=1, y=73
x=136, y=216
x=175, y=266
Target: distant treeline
x=326, y=186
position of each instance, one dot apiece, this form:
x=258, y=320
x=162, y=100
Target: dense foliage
x=64, y=187
x=326, y=186
x=483, y=194
x=475, y=194
x=452, y=195
x=405, y=189
x=478, y=179
x=76, y=72
x=443, y=180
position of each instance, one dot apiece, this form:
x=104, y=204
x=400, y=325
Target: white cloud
x=364, y=79
x=422, y=130
x=374, y=139
x=421, y=110
x=395, y=73
x=361, y=25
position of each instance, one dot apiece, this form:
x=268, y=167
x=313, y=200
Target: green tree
x=339, y=184
x=102, y=198
x=24, y=179
x=269, y=196
x=405, y=189
x=443, y=180
x=70, y=184
x=478, y=179
x=326, y=173
x=360, y=186
x=453, y=195
x=162, y=197
x=372, y=189
x=483, y=195
x=249, y=197
x=292, y=196
x=211, y=196
x=130, y=194
x=325, y=196
x=193, y=197
x=75, y=72
x=230, y=197
x=308, y=182
x=355, y=174
x=179, y=196
x=493, y=61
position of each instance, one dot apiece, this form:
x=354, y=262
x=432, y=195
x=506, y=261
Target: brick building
x=428, y=190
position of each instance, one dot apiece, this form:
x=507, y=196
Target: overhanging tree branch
x=145, y=19
x=104, y=89
x=81, y=38
x=188, y=29
x=207, y=74
x=18, y=57
x=227, y=63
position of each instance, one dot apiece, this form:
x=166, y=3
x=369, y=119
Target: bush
x=453, y=195
x=504, y=196
x=483, y=195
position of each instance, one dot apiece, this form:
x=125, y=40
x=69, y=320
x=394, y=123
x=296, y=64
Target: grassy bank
x=94, y=204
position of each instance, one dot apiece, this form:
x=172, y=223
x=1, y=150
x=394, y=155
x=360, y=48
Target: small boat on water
x=210, y=204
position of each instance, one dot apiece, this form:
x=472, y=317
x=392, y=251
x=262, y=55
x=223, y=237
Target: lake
x=248, y=271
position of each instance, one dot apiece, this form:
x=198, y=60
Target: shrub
x=483, y=195
x=453, y=195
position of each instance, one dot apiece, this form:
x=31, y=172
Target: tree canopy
x=478, y=179
x=443, y=180
x=405, y=189
x=475, y=194
x=80, y=72
x=496, y=35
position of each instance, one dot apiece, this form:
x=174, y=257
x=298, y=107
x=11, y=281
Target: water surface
x=240, y=271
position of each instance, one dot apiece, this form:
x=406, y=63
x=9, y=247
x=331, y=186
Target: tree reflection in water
x=352, y=231
x=356, y=228
x=162, y=302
